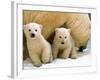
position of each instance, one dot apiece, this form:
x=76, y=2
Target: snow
x=84, y=59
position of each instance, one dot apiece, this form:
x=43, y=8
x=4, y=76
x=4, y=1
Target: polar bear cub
x=63, y=44
x=39, y=49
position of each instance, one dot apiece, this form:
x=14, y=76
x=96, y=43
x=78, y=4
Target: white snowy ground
x=84, y=59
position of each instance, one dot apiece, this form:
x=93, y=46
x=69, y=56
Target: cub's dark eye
x=59, y=36
x=29, y=29
x=35, y=29
x=65, y=37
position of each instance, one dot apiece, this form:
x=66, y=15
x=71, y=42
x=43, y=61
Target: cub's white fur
x=39, y=49
x=63, y=44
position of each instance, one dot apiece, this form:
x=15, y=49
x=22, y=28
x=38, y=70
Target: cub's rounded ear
x=69, y=30
x=41, y=26
x=56, y=29
x=25, y=26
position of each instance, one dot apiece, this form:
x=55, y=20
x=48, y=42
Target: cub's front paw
x=74, y=57
x=37, y=64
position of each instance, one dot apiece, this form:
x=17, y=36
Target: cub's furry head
x=32, y=30
x=62, y=35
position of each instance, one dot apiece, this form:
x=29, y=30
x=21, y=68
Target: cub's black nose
x=32, y=35
x=62, y=42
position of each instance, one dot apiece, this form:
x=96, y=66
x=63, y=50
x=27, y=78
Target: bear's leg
x=66, y=53
x=36, y=60
x=46, y=55
x=73, y=53
x=82, y=48
x=55, y=52
x=51, y=58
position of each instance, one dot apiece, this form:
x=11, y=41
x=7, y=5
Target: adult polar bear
x=79, y=23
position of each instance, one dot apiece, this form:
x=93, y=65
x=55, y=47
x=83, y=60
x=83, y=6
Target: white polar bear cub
x=63, y=44
x=39, y=49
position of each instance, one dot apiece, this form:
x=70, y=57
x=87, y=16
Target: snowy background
x=84, y=59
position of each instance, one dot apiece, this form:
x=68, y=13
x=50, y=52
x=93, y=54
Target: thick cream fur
x=68, y=48
x=79, y=23
x=39, y=49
